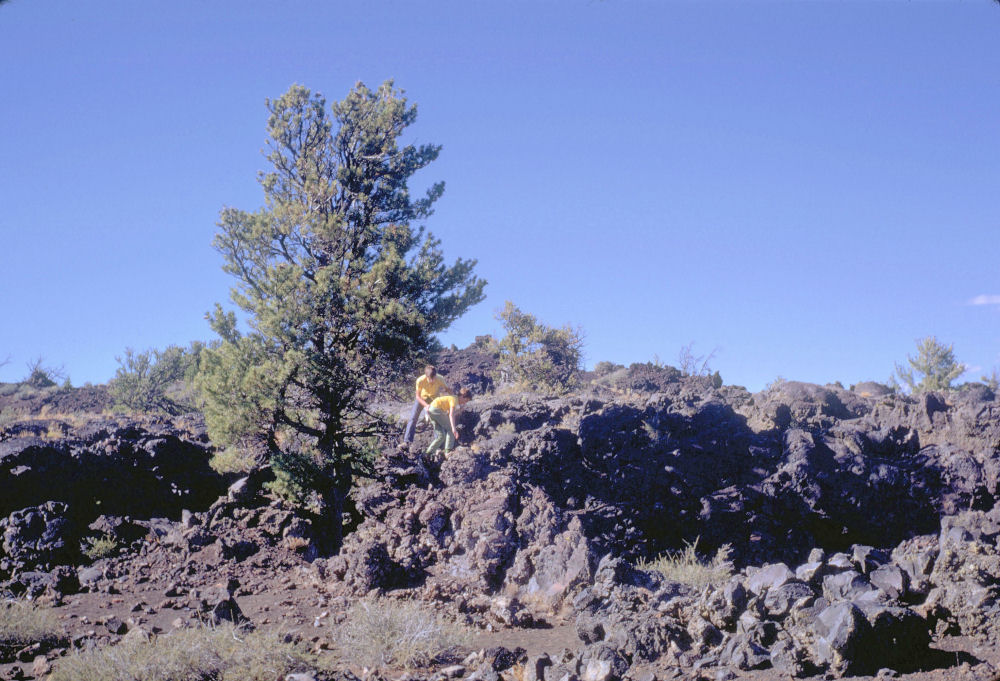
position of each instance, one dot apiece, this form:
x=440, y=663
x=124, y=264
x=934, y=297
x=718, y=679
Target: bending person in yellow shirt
x=442, y=412
x=429, y=386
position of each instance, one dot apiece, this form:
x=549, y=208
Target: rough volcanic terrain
x=857, y=532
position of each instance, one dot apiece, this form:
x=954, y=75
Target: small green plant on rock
x=96, y=548
x=687, y=566
x=507, y=428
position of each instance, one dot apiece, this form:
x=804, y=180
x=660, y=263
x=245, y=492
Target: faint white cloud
x=985, y=299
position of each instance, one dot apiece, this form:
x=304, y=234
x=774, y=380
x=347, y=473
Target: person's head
x=464, y=395
x=430, y=371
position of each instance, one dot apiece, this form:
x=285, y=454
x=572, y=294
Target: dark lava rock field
x=859, y=528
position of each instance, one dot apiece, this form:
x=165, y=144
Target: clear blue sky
x=807, y=186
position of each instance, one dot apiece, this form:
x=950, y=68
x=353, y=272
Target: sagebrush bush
x=687, y=566
x=387, y=633
x=42, y=376
x=23, y=623
x=604, y=368
x=155, y=380
x=223, y=653
x=537, y=356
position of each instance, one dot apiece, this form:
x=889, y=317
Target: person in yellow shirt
x=442, y=412
x=429, y=386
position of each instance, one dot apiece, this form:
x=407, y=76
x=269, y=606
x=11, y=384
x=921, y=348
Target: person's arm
x=451, y=417
x=420, y=399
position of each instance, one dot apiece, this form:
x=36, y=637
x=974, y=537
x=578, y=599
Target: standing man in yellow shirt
x=428, y=386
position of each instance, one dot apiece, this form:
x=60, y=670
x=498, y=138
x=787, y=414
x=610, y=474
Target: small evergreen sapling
x=933, y=368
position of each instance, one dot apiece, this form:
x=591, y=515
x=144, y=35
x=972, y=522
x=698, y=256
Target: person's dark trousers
x=411, y=427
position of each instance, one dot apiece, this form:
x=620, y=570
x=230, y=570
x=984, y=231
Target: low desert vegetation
x=386, y=633
x=157, y=380
x=96, y=548
x=23, y=623
x=537, y=356
x=42, y=375
x=604, y=368
x=223, y=653
x=687, y=566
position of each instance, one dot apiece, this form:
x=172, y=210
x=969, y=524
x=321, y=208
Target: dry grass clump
x=23, y=623
x=687, y=566
x=223, y=653
x=385, y=633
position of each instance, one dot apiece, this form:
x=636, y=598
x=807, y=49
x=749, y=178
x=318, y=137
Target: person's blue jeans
x=411, y=427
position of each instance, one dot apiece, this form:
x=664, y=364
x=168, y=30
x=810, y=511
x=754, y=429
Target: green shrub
x=296, y=475
x=507, y=428
x=96, y=548
x=537, y=356
x=934, y=368
x=23, y=623
x=222, y=653
x=687, y=566
x=604, y=368
x=386, y=633
x=232, y=459
x=155, y=380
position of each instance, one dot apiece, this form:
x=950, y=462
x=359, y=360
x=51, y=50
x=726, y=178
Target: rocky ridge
x=862, y=524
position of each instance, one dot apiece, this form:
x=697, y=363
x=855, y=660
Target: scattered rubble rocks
x=863, y=527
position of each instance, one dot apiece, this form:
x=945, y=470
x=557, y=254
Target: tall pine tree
x=338, y=288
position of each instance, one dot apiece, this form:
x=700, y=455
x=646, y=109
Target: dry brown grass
x=23, y=623
x=386, y=633
x=299, y=544
x=687, y=566
x=223, y=653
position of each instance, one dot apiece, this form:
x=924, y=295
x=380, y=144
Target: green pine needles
x=934, y=367
x=537, y=356
x=339, y=290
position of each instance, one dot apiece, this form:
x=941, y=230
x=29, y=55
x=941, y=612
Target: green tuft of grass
x=96, y=548
x=223, y=653
x=384, y=633
x=687, y=566
x=23, y=623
